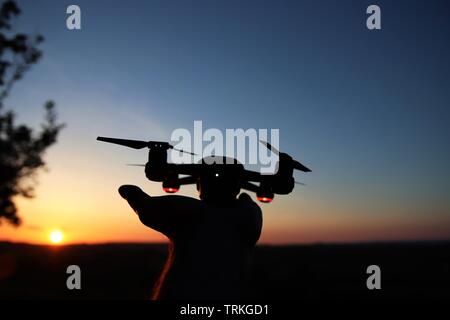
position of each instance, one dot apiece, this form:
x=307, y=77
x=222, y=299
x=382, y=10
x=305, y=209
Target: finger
x=245, y=197
x=246, y=200
x=137, y=199
x=252, y=220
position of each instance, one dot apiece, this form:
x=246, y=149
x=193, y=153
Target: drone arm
x=187, y=169
x=187, y=180
x=249, y=186
x=253, y=176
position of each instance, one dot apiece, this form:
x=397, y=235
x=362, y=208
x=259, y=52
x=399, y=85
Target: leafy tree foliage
x=21, y=148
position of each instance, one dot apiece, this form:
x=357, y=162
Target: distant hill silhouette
x=128, y=271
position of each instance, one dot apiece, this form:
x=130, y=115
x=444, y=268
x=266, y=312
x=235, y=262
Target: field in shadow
x=128, y=271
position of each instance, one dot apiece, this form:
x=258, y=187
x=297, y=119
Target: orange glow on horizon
x=91, y=211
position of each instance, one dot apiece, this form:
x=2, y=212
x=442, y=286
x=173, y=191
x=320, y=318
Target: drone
x=218, y=179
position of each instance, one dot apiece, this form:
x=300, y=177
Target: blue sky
x=368, y=111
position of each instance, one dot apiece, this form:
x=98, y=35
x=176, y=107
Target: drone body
x=218, y=179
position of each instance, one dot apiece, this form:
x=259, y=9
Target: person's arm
x=209, y=245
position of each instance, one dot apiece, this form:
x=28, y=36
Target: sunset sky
x=367, y=111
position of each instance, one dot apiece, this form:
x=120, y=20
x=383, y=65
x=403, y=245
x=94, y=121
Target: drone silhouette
x=218, y=179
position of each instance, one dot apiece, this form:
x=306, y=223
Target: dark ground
x=128, y=271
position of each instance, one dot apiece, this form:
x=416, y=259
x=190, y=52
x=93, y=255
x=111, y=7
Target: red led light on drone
x=170, y=190
x=264, y=199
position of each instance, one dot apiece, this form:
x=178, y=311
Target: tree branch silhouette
x=21, y=148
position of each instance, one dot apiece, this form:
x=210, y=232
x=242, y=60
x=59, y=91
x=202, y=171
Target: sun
x=56, y=236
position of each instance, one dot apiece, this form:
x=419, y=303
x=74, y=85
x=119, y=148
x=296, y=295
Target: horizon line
x=267, y=244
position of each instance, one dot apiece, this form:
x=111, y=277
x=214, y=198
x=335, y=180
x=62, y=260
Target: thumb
x=252, y=219
x=136, y=198
x=246, y=201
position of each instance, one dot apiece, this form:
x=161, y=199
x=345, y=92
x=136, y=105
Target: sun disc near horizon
x=56, y=236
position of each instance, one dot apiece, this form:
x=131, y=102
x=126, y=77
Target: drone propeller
x=270, y=147
x=180, y=150
x=135, y=165
x=300, y=183
x=138, y=144
x=135, y=144
x=295, y=164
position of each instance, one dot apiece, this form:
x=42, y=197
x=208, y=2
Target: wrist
x=204, y=272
